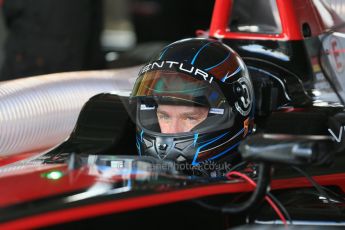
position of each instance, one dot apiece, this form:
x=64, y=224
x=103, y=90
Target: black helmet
x=194, y=103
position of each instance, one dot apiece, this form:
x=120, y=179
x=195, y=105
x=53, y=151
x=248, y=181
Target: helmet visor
x=174, y=87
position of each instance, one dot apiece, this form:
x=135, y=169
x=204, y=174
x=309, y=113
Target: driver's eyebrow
x=162, y=111
x=191, y=113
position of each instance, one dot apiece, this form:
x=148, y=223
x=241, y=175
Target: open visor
x=174, y=102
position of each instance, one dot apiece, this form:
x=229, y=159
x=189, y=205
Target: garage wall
x=2, y=38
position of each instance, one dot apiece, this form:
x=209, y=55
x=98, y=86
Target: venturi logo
x=181, y=67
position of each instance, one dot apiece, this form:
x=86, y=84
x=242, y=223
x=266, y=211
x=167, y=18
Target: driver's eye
x=191, y=118
x=162, y=116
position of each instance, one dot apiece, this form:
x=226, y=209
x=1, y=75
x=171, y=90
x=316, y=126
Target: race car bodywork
x=95, y=176
x=56, y=195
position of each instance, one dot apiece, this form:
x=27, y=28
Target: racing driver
x=194, y=105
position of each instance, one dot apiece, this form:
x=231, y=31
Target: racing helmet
x=194, y=103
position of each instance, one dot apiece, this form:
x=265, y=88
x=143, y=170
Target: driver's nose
x=176, y=126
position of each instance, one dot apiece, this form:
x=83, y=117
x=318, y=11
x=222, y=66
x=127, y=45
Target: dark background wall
x=112, y=33
x=47, y=36
x=2, y=38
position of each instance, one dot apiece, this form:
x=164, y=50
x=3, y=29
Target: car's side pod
x=103, y=126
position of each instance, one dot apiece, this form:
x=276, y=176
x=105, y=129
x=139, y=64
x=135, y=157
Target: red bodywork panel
x=37, y=187
x=293, y=14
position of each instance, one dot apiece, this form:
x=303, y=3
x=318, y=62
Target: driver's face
x=178, y=118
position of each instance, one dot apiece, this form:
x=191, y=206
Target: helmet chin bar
x=168, y=147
